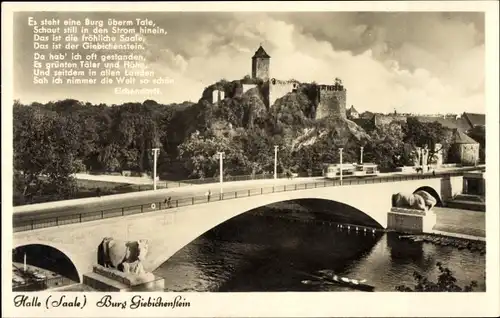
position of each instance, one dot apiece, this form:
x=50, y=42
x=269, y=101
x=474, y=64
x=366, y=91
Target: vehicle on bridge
x=366, y=169
x=332, y=171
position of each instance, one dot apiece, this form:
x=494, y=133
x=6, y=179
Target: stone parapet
x=408, y=211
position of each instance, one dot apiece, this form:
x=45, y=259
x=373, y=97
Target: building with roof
x=450, y=122
x=474, y=119
x=464, y=150
x=352, y=113
x=454, y=122
x=260, y=64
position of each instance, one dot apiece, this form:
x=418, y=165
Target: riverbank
x=472, y=245
x=460, y=223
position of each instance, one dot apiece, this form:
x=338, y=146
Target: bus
x=366, y=169
x=332, y=171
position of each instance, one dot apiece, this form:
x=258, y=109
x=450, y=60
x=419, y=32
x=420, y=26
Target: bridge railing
x=188, y=182
x=181, y=183
x=28, y=223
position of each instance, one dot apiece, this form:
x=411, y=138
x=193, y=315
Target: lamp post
x=221, y=174
x=155, y=159
x=276, y=162
x=340, y=149
x=361, y=159
x=419, y=155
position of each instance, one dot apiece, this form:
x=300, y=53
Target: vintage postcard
x=238, y=159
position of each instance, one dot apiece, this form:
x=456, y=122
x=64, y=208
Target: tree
x=62, y=155
x=385, y=146
x=200, y=156
x=307, y=158
x=31, y=146
x=258, y=148
x=446, y=283
x=108, y=158
x=423, y=135
x=45, y=150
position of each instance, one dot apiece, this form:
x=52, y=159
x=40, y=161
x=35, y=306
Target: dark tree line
x=53, y=141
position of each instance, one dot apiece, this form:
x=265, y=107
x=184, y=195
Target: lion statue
x=430, y=201
x=125, y=256
x=409, y=201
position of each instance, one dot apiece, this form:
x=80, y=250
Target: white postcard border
x=288, y=304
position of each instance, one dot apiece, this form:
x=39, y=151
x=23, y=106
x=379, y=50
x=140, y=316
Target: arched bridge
x=77, y=235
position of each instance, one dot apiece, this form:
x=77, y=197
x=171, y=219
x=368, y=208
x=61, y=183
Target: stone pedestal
x=410, y=220
x=109, y=279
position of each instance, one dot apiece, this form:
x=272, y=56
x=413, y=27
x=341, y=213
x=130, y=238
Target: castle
x=330, y=99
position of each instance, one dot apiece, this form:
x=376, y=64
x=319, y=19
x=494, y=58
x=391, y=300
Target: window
x=472, y=186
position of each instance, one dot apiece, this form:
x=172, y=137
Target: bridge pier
x=411, y=220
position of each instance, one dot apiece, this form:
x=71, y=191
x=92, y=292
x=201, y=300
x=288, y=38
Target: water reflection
x=262, y=252
x=404, y=252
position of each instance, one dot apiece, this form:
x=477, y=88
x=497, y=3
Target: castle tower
x=332, y=100
x=260, y=64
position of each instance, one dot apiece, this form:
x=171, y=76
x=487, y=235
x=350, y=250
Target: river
x=263, y=250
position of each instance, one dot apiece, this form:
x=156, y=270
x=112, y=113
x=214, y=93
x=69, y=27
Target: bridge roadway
x=134, y=202
x=61, y=208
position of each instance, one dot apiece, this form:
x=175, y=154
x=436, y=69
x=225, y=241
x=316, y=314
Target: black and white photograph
x=166, y=153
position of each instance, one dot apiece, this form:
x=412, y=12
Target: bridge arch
x=48, y=256
x=432, y=192
x=372, y=206
x=332, y=210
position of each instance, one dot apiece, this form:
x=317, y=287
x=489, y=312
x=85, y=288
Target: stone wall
x=278, y=89
x=464, y=154
x=387, y=119
x=332, y=102
x=247, y=87
x=469, y=154
x=217, y=96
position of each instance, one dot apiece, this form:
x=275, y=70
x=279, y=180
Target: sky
x=429, y=62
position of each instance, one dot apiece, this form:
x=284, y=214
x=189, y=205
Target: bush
x=446, y=283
